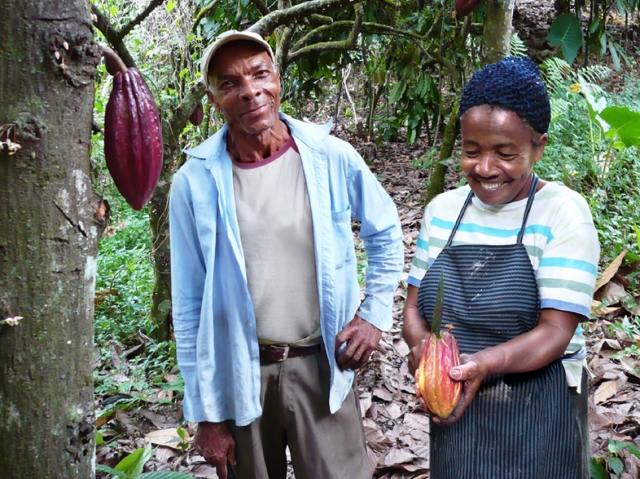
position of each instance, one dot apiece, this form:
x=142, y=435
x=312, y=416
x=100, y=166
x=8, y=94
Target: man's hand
x=362, y=338
x=471, y=374
x=215, y=443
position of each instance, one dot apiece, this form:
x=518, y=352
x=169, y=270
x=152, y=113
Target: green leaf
x=99, y=439
x=110, y=470
x=566, y=32
x=624, y=123
x=632, y=447
x=397, y=91
x=164, y=475
x=616, y=465
x=598, y=470
x=134, y=462
x=171, y=5
x=614, y=55
x=614, y=447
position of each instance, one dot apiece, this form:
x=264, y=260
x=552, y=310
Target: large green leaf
x=164, y=475
x=133, y=463
x=625, y=124
x=566, y=32
x=598, y=471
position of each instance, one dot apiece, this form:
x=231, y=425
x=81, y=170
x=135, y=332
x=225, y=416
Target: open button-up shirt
x=213, y=315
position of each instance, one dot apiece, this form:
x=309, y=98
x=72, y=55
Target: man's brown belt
x=277, y=354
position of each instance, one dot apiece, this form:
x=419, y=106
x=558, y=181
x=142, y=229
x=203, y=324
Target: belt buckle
x=285, y=354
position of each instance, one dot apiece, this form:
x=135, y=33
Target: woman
x=519, y=258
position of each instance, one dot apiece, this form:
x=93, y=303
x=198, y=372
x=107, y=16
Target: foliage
x=592, y=156
x=566, y=32
x=613, y=460
x=130, y=467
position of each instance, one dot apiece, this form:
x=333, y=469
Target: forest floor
x=397, y=431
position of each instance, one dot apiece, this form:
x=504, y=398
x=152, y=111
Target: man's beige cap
x=223, y=39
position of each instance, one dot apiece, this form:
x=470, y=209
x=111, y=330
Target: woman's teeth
x=491, y=186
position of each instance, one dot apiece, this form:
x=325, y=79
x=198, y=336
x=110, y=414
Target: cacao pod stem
x=112, y=60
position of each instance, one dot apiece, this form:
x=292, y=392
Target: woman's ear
x=539, y=147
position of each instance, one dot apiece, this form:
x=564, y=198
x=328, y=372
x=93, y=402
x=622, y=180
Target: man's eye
x=471, y=154
x=506, y=156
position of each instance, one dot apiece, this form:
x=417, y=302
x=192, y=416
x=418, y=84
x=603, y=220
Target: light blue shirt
x=213, y=315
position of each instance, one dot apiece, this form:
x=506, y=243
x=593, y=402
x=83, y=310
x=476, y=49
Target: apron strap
x=455, y=227
x=532, y=194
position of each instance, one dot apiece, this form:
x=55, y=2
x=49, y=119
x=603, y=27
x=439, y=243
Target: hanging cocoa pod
x=133, y=138
x=439, y=392
x=198, y=115
x=465, y=7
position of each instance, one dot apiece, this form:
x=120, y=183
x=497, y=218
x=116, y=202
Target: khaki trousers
x=295, y=400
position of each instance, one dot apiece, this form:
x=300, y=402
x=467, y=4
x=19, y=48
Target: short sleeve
x=420, y=262
x=568, y=267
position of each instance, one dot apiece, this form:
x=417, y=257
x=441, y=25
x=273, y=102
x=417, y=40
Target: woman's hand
x=470, y=373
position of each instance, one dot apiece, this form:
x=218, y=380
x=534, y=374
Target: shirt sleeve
x=187, y=285
x=381, y=233
x=420, y=262
x=569, y=264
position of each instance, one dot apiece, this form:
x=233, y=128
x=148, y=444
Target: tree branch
x=348, y=44
x=284, y=47
x=203, y=13
x=136, y=21
x=110, y=33
x=367, y=27
x=176, y=119
x=262, y=8
x=267, y=24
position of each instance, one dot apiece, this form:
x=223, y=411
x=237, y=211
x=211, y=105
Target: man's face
x=246, y=87
x=498, y=154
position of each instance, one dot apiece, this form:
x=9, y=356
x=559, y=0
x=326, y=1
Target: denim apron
x=518, y=425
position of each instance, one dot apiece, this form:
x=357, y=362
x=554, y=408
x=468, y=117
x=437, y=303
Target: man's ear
x=212, y=99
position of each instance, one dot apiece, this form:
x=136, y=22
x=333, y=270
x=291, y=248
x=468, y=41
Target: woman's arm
x=414, y=329
x=527, y=352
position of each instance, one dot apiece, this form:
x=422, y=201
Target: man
x=266, y=303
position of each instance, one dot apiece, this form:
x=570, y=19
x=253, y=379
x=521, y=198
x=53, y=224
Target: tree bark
x=50, y=225
x=497, y=30
x=174, y=121
x=436, y=181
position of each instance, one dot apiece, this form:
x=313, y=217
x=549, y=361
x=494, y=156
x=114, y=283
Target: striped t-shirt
x=559, y=236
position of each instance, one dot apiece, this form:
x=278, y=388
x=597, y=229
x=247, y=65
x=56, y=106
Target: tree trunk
x=497, y=30
x=436, y=180
x=159, y=222
x=50, y=225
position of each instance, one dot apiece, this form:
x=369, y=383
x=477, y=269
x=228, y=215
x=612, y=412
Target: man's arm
x=187, y=286
x=382, y=236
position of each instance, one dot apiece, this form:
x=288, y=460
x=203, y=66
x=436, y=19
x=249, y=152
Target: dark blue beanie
x=513, y=83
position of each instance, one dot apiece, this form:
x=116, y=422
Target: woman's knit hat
x=513, y=83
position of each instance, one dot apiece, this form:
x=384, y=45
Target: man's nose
x=249, y=90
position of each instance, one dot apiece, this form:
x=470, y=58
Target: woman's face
x=498, y=154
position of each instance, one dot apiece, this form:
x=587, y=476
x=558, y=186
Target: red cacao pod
x=198, y=115
x=439, y=392
x=465, y=7
x=133, y=138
